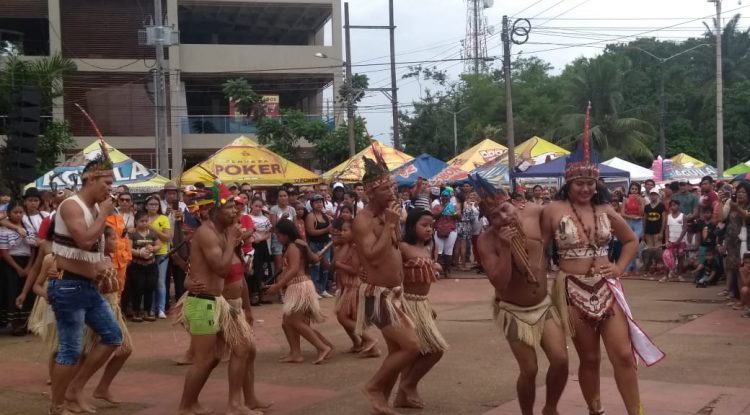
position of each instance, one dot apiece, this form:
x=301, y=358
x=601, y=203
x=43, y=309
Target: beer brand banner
x=687, y=167
x=244, y=160
x=478, y=155
x=126, y=172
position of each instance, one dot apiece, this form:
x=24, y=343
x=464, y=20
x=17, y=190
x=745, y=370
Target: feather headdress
x=376, y=171
x=583, y=163
x=101, y=165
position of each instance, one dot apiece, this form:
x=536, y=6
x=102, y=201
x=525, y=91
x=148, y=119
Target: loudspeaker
x=23, y=135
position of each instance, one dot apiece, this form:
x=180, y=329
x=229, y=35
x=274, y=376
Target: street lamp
x=662, y=103
x=455, y=128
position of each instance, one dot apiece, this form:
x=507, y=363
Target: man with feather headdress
x=78, y=243
x=513, y=255
x=377, y=236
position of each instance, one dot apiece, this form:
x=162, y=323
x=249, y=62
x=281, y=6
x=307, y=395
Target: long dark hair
x=410, y=227
x=288, y=229
x=601, y=197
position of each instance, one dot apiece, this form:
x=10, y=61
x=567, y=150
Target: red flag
x=586, y=141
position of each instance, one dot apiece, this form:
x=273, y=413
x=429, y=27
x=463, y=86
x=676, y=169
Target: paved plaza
x=706, y=372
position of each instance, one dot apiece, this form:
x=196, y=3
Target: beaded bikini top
x=570, y=245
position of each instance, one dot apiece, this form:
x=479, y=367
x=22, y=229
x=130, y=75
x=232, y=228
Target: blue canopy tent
x=424, y=166
x=495, y=172
x=556, y=169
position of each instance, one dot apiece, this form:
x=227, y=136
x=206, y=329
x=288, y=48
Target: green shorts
x=201, y=315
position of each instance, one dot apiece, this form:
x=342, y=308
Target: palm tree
x=599, y=81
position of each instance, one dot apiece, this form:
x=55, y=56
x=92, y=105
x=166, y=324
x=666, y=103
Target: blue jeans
x=160, y=294
x=637, y=226
x=77, y=304
x=317, y=273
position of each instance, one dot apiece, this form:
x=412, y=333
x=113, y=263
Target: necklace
x=591, y=236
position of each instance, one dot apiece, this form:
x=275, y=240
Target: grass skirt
x=300, y=297
x=387, y=306
x=525, y=324
x=419, y=310
x=347, y=300
x=42, y=323
x=235, y=334
x=91, y=339
x=238, y=323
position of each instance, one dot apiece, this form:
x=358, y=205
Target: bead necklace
x=591, y=236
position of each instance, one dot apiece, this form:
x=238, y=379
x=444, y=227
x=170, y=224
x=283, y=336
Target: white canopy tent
x=637, y=173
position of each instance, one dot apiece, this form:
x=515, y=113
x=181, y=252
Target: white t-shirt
x=32, y=223
x=262, y=224
x=289, y=210
x=674, y=227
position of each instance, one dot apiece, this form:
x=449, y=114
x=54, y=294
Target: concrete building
x=272, y=43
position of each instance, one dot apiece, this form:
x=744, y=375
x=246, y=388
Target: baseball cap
x=338, y=185
x=316, y=197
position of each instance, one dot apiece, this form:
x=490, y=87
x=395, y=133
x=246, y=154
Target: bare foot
x=366, y=354
x=377, y=401
x=549, y=411
x=106, y=396
x=368, y=345
x=323, y=355
x=292, y=359
x=242, y=410
x=355, y=349
x=197, y=409
x=257, y=404
x=406, y=399
x=78, y=406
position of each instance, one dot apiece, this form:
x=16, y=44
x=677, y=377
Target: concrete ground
x=706, y=371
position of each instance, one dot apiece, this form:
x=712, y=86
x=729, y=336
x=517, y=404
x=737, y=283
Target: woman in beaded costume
x=588, y=292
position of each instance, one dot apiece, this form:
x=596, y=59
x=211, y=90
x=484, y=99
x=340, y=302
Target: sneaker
x=721, y=293
x=664, y=278
x=325, y=294
x=149, y=317
x=137, y=318
x=320, y=297
x=162, y=315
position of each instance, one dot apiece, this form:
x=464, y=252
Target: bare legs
x=555, y=348
x=616, y=337
x=89, y=366
x=237, y=372
x=296, y=325
x=248, y=385
x=113, y=367
x=364, y=344
x=403, y=349
x=407, y=395
x=204, y=361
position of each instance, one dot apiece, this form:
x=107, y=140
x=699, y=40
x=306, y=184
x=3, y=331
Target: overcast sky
x=434, y=29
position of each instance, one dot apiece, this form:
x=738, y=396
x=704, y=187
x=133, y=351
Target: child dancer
x=347, y=267
x=301, y=306
x=419, y=273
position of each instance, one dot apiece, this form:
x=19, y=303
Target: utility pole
x=719, y=95
x=160, y=95
x=476, y=36
x=518, y=33
x=350, y=86
x=394, y=89
x=392, y=92
x=455, y=128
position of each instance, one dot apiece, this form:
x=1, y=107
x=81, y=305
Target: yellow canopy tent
x=353, y=169
x=126, y=171
x=482, y=153
x=686, y=167
x=244, y=160
x=536, y=150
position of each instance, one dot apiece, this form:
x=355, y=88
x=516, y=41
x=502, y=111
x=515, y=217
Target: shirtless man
x=205, y=313
x=523, y=309
x=78, y=242
x=377, y=237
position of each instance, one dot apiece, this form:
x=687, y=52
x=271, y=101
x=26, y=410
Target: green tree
x=283, y=135
x=599, y=81
x=56, y=140
x=333, y=148
x=360, y=83
x=246, y=100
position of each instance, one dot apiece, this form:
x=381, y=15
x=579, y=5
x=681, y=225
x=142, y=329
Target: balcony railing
x=230, y=124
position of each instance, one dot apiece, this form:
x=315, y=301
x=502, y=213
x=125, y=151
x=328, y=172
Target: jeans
x=178, y=276
x=318, y=274
x=160, y=294
x=637, y=226
x=77, y=304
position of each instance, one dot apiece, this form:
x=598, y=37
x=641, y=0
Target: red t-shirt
x=246, y=222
